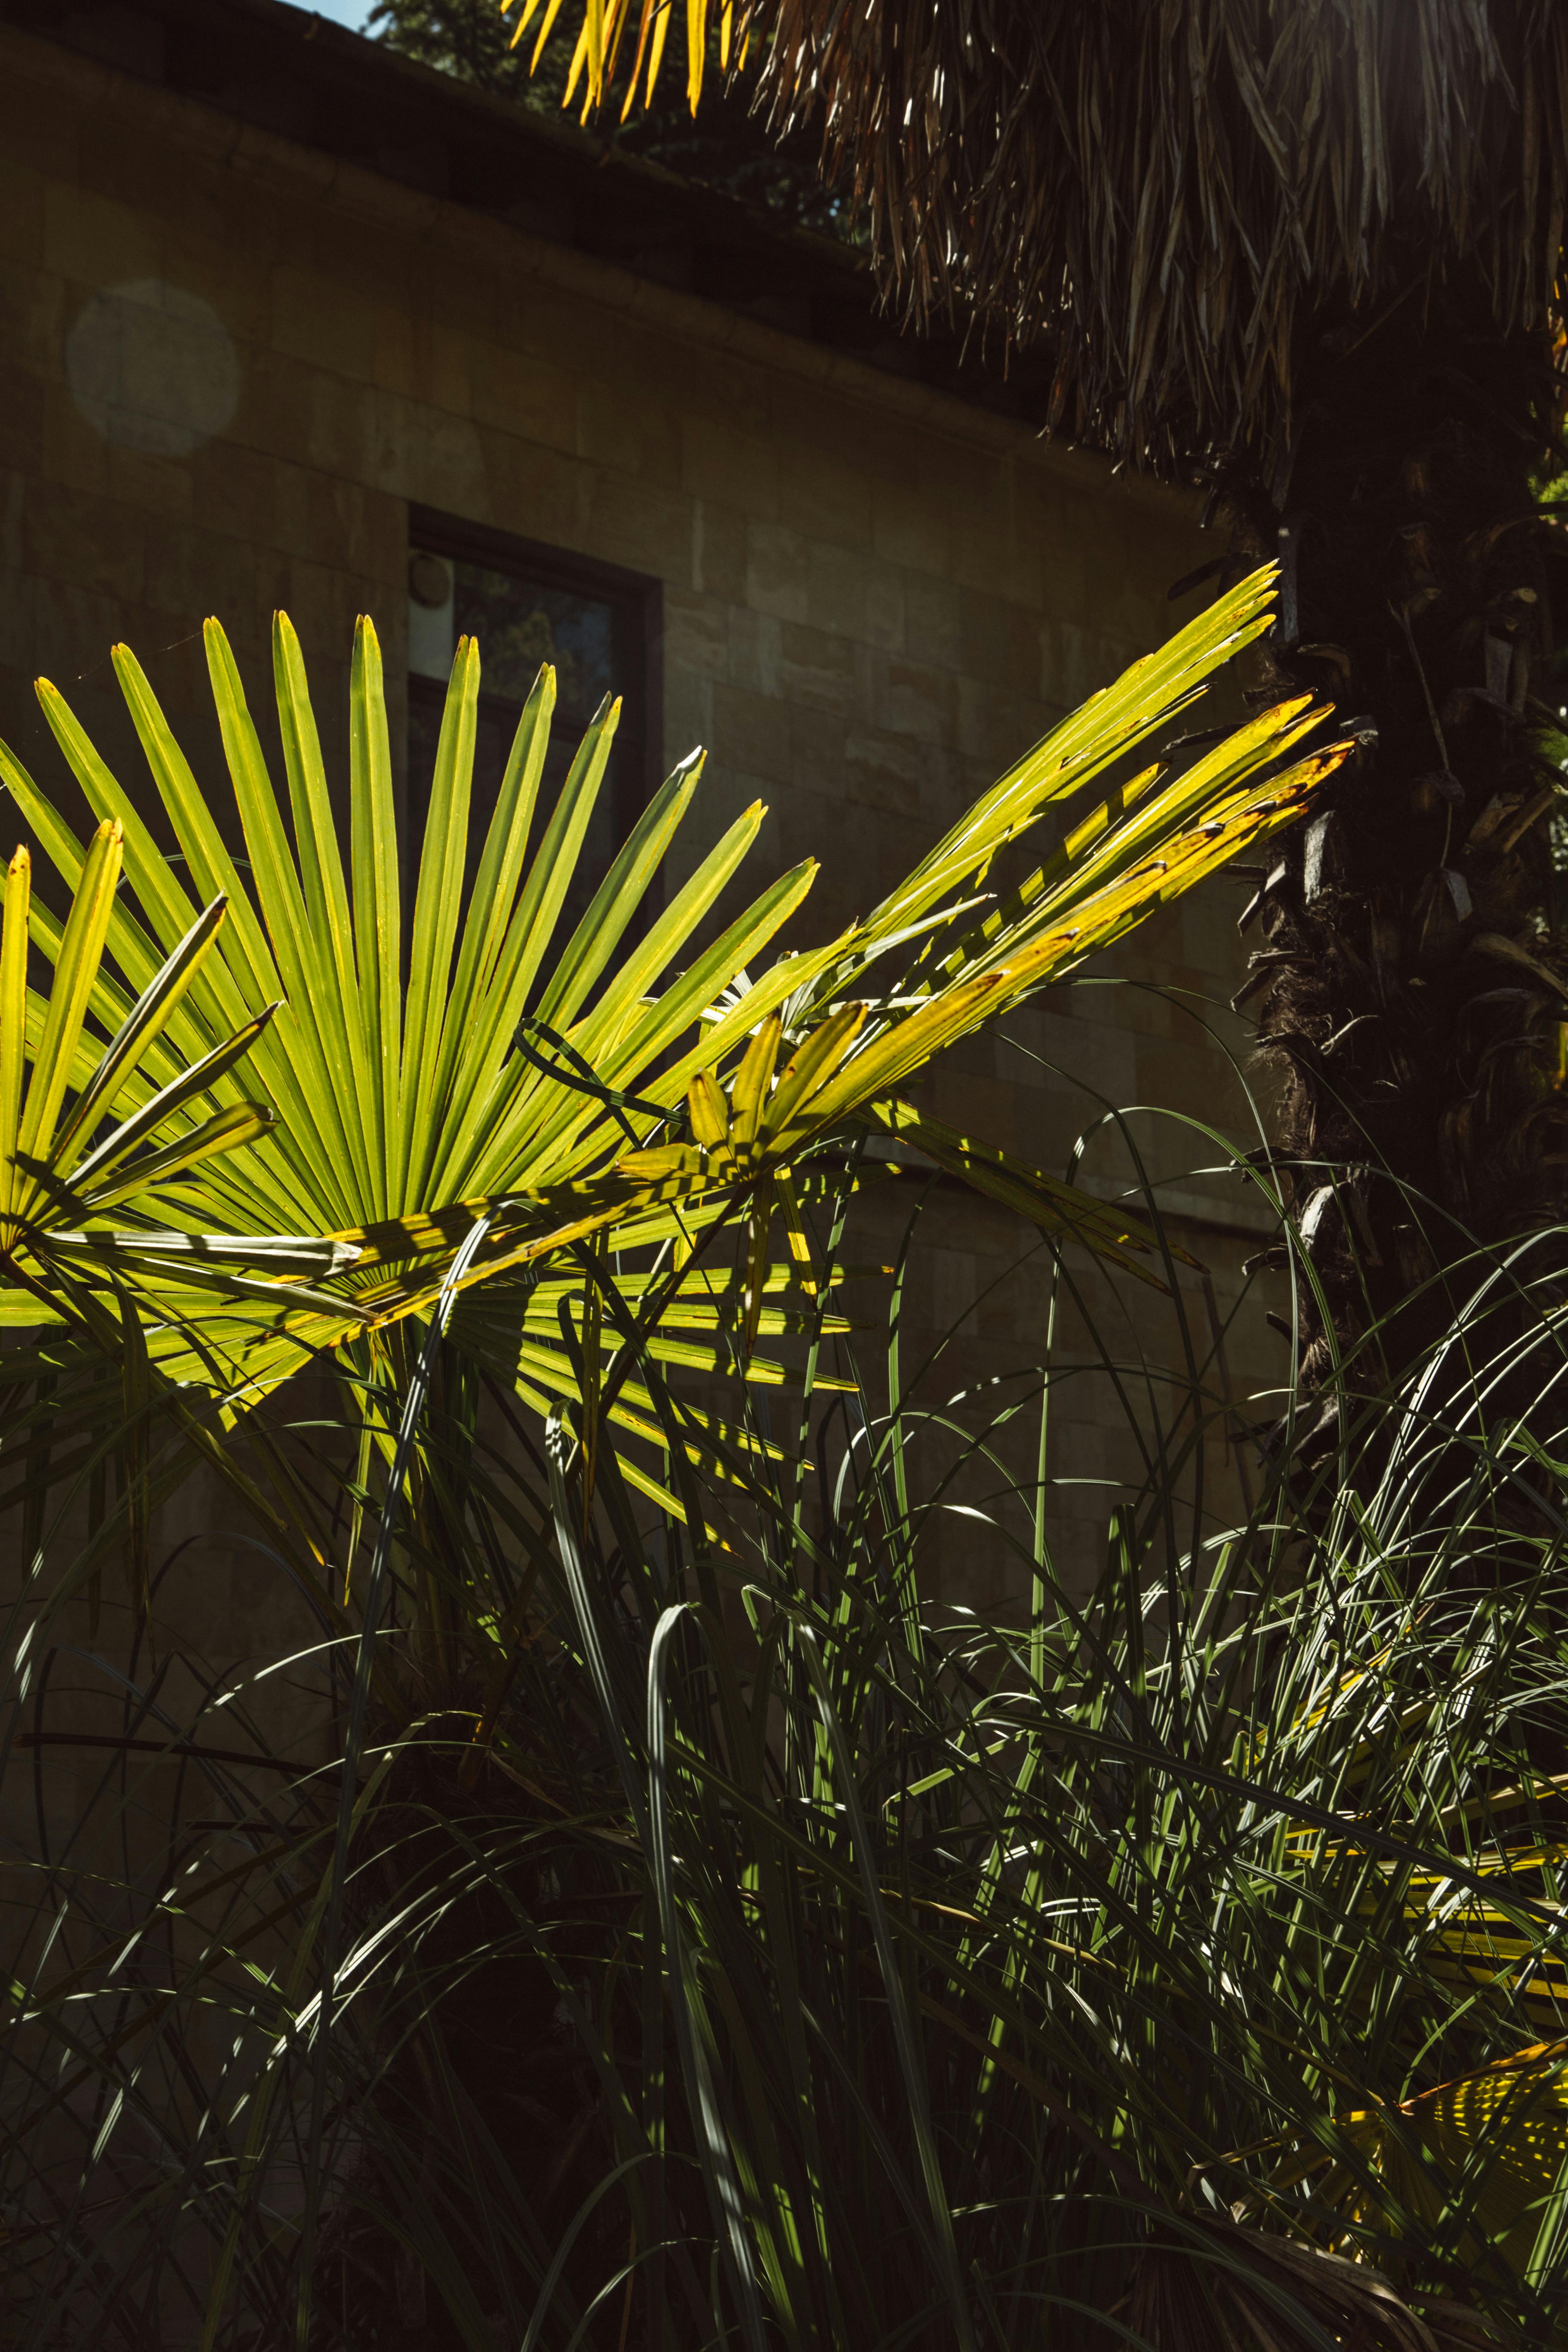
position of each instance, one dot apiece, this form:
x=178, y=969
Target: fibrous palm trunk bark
x=1408, y=977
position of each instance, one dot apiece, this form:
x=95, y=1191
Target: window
x=527, y=604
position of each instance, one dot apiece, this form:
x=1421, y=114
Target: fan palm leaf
x=557, y=1092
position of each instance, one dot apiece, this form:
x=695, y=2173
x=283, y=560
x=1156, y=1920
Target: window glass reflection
x=521, y=624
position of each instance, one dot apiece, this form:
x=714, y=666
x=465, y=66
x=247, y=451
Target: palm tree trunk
x=1407, y=967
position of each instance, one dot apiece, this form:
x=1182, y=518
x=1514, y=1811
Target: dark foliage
x=1408, y=983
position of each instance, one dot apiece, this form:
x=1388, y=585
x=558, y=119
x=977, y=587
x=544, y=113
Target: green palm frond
x=624, y=1086
x=1495, y=2140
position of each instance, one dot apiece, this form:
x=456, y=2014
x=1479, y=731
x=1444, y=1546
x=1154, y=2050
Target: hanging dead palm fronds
x=1157, y=188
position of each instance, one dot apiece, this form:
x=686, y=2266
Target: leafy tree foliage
x=726, y=145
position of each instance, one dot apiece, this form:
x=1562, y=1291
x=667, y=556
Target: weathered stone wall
x=875, y=596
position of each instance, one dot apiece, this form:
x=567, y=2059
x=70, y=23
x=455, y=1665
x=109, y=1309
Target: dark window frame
x=637, y=604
